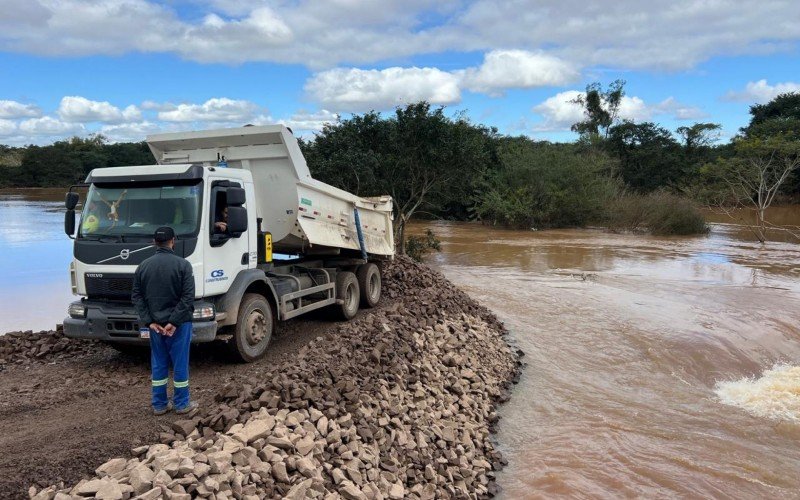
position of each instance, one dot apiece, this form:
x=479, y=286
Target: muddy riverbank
x=408, y=392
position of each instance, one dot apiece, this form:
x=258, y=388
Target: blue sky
x=126, y=68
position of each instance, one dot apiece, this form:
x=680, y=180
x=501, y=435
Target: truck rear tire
x=347, y=290
x=369, y=283
x=253, y=330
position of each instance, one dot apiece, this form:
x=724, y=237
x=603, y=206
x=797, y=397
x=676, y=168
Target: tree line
x=618, y=173
x=67, y=162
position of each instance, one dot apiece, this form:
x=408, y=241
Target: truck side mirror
x=237, y=221
x=71, y=201
x=69, y=220
x=235, y=196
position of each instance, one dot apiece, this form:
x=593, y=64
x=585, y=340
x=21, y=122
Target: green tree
x=785, y=107
x=780, y=117
x=427, y=161
x=70, y=161
x=699, y=135
x=754, y=177
x=44, y=166
x=601, y=109
x=542, y=185
x=649, y=156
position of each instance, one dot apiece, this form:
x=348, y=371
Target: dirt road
x=59, y=420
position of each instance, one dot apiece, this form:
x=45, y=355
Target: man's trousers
x=166, y=352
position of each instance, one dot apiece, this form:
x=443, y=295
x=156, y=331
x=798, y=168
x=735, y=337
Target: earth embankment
x=398, y=402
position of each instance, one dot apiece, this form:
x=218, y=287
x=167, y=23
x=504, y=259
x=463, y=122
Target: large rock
x=255, y=429
x=298, y=491
x=111, y=467
x=141, y=479
x=219, y=461
x=350, y=491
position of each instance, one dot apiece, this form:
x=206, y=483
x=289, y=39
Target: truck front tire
x=253, y=330
x=369, y=283
x=347, y=291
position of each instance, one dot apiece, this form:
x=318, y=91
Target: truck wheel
x=369, y=282
x=253, y=329
x=347, y=291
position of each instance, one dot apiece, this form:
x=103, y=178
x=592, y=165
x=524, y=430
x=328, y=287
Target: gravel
x=398, y=403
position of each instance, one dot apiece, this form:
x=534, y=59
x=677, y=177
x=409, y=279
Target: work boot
x=192, y=406
x=161, y=411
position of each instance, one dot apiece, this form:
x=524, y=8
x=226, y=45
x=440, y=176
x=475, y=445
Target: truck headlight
x=203, y=313
x=77, y=310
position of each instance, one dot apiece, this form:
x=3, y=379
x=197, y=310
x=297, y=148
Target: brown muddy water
x=656, y=367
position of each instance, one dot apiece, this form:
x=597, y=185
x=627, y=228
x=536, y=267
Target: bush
x=418, y=247
x=659, y=213
x=545, y=185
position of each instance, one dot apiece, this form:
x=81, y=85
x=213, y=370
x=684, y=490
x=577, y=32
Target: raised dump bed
x=304, y=215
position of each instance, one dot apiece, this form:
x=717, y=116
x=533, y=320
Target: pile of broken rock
x=24, y=347
x=399, y=403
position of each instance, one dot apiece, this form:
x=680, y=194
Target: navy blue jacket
x=163, y=289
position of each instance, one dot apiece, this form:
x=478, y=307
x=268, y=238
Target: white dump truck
x=266, y=241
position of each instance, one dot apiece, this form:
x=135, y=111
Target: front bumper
x=117, y=322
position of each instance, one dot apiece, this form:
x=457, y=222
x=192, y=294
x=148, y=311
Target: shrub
x=659, y=213
x=418, y=247
x=545, y=185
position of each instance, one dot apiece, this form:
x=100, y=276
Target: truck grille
x=109, y=286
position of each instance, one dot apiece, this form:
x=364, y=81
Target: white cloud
x=324, y=33
x=629, y=33
x=309, y=121
x=7, y=127
x=156, y=106
x=218, y=109
x=559, y=112
x=50, y=126
x=670, y=106
x=131, y=132
x=634, y=109
x=78, y=115
x=112, y=27
x=82, y=110
x=504, y=69
x=356, y=89
x=762, y=92
x=14, y=109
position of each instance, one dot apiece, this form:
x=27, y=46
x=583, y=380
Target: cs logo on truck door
x=217, y=275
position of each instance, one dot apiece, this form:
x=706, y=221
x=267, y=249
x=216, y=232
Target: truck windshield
x=139, y=211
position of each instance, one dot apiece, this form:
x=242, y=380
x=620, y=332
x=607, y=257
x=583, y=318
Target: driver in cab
x=221, y=226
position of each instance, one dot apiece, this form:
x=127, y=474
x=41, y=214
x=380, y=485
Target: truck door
x=228, y=250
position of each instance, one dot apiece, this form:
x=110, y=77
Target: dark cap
x=163, y=234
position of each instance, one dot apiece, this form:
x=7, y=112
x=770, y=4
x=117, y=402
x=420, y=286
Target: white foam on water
x=774, y=395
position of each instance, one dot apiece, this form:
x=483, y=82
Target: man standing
x=163, y=293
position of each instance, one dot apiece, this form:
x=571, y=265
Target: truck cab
x=232, y=196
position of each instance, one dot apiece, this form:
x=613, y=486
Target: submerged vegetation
x=623, y=175
x=660, y=213
x=417, y=247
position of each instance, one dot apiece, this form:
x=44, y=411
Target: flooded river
x=656, y=367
